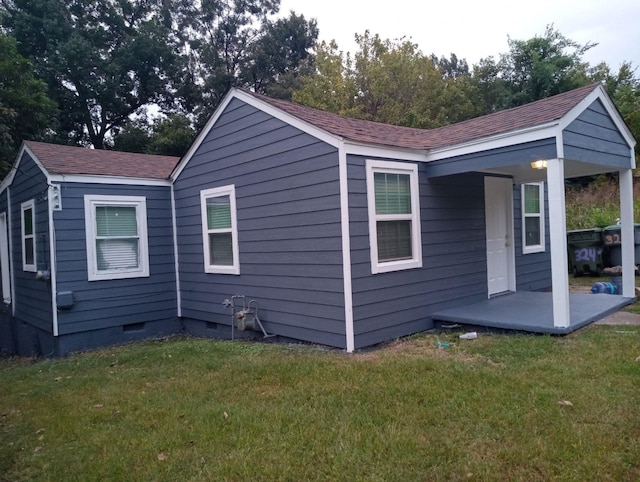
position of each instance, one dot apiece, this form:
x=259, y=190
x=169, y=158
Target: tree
x=387, y=81
x=168, y=137
x=532, y=69
x=25, y=110
x=282, y=53
x=328, y=87
x=103, y=60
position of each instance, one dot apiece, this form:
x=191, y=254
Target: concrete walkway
x=620, y=318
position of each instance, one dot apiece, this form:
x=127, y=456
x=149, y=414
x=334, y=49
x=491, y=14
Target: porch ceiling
x=533, y=311
x=523, y=172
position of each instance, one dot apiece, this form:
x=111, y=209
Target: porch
x=533, y=311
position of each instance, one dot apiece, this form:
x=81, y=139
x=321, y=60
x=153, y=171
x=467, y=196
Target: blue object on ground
x=604, y=287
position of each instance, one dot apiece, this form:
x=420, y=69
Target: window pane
x=393, y=193
x=28, y=251
x=532, y=198
x=116, y=221
x=219, y=213
x=117, y=254
x=27, y=221
x=394, y=240
x=221, y=249
x=532, y=231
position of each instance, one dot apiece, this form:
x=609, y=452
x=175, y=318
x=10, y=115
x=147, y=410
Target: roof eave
x=505, y=139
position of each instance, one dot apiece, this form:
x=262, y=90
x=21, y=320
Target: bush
x=597, y=204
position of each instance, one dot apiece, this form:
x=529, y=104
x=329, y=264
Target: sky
x=474, y=29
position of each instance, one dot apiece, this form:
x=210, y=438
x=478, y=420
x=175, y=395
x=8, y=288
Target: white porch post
x=627, y=233
x=558, y=241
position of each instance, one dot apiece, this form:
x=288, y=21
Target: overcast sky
x=474, y=29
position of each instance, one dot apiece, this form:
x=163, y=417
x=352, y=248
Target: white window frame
x=538, y=248
x=372, y=167
x=30, y=204
x=222, y=191
x=140, y=204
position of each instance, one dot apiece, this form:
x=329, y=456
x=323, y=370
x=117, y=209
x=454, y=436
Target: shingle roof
x=58, y=159
x=534, y=114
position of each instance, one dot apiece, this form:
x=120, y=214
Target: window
x=28, y=236
x=117, y=245
x=533, y=218
x=394, y=216
x=219, y=230
x=5, y=274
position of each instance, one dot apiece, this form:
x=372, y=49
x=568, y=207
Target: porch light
x=541, y=164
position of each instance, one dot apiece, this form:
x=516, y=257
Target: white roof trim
x=599, y=94
x=372, y=150
x=262, y=106
x=530, y=134
x=8, y=180
x=105, y=179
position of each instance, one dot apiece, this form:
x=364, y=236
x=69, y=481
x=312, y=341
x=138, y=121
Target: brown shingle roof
x=529, y=115
x=58, y=159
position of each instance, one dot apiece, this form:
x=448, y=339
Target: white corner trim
x=175, y=252
x=11, y=260
x=346, y=248
x=52, y=263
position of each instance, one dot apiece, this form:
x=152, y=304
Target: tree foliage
x=103, y=60
x=25, y=110
x=387, y=81
x=106, y=61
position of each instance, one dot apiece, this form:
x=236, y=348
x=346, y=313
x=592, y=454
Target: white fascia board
x=601, y=94
x=265, y=107
x=95, y=179
x=543, y=131
x=370, y=150
x=6, y=182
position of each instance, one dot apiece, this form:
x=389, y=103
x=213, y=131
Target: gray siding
x=33, y=304
x=533, y=270
x=593, y=137
x=454, y=271
x=288, y=210
x=114, y=303
x=494, y=158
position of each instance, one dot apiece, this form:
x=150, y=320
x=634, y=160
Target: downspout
x=346, y=247
x=52, y=261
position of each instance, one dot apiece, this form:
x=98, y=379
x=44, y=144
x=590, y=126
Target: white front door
x=498, y=202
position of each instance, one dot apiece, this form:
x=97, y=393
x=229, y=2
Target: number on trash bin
x=586, y=254
x=610, y=239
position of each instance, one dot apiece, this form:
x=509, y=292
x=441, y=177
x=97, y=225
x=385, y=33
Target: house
x=346, y=232
x=86, y=249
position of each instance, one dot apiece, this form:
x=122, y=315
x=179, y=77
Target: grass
x=191, y=409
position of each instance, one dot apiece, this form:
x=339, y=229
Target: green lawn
x=190, y=409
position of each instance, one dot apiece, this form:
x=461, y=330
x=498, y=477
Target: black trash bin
x=613, y=245
x=585, y=251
